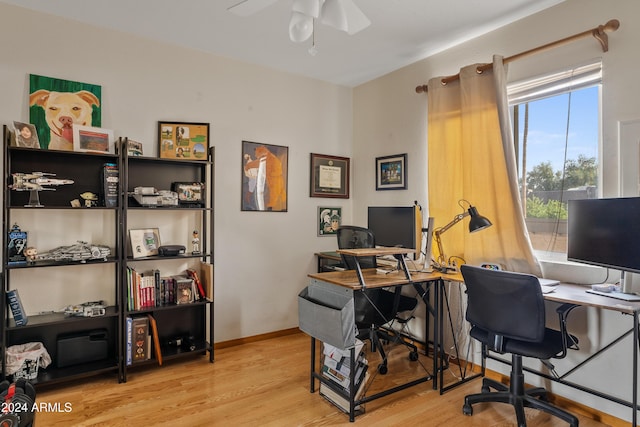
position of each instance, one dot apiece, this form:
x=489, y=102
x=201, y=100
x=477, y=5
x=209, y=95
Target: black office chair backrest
x=354, y=237
x=505, y=303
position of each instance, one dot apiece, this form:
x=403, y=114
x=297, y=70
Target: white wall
x=261, y=258
x=390, y=117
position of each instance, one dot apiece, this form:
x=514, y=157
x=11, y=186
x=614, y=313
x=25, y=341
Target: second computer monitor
x=395, y=226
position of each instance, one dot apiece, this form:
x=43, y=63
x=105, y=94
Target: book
x=140, y=339
x=110, y=181
x=129, y=349
x=16, y=246
x=156, y=340
x=193, y=274
x=17, y=309
x=206, y=277
x=342, y=402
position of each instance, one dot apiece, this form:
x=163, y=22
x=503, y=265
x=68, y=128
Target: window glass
x=557, y=138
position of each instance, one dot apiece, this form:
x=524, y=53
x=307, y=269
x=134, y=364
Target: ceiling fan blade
x=307, y=7
x=344, y=15
x=249, y=7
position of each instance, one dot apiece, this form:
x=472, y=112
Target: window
x=557, y=138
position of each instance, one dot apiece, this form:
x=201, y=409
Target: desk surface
x=372, y=279
x=563, y=293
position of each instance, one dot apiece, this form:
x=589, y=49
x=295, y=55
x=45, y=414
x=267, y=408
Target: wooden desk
x=358, y=280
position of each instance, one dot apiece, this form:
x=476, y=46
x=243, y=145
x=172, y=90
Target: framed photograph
x=134, y=148
x=25, y=135
x=144, y=242
x=189, y=193
x=264, y=177
x=183, y=141
x=391, y=172
x=329, y=219
x=329, y=176
x=92, y=139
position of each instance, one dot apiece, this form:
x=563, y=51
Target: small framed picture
x=92, y=139
x=144, y=242
x=329, y=219
x=26, y=135
x=391, y=172
x=183, y=141
x=134, y=148
x=189, y=193
x=329, y=176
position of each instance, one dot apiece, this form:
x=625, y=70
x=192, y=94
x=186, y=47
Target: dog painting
x=264, y=184
x=57, y=105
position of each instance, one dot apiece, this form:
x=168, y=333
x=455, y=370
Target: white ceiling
x=401, y=32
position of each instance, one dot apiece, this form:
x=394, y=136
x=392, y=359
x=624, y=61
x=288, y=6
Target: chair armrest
x=568, y=340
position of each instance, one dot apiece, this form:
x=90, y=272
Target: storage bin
x=326, y=312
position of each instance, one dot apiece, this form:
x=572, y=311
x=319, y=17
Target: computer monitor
x=399, y=226
x=605, y=232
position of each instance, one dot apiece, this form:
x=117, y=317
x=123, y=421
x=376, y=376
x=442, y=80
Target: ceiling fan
x=341, y=14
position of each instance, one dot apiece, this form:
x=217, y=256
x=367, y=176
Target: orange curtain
x=471, y=158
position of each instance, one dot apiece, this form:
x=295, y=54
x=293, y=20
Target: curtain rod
x=598, y=32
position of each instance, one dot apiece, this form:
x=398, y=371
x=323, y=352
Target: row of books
x=150, y=289
x=142, y=336
x=336, y=369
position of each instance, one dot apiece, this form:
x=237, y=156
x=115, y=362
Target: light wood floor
x=262, y=384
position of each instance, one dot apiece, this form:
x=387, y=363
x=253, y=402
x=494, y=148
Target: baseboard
x=256, y=338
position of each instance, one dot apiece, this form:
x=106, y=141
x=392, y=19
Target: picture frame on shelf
x=144, y=242
x=264, y=177
x=134, y=148
x=183, y=140
x=329, y=176
x=391, y=172
x=329, y=219
x=91, y=139
x=189, y=193
x=25, y=136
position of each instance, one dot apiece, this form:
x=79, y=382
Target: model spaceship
x=37, y=181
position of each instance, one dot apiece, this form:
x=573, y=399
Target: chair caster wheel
x=467, y=409
x=382, y=369
x=413, y=356
x=485, y=389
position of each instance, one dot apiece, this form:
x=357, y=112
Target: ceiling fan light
x=344, y=15
x=300, y=27
x=307, y=7
x=333, y=14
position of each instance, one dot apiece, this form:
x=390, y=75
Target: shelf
x=51, y=263
x=160, y=258
x=52, y=374
x=49, y=319
x=168, y=307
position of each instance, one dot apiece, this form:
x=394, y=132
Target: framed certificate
x=329, y=176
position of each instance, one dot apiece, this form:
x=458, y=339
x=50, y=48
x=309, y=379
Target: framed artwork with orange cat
x=264, y=177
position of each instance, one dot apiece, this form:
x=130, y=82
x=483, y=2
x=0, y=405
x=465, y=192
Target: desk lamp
x=477, y=223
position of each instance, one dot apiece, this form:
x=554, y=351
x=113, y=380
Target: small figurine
x=31, y=253
x=90, y=199
x=195, y=242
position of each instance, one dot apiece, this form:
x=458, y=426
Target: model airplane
x=37, y=181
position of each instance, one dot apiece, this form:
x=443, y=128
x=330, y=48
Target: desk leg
x=636, y=343
x=312, y=386
x=437, y=334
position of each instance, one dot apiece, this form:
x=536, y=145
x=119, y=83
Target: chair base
x=516, y=395
x=376, y=335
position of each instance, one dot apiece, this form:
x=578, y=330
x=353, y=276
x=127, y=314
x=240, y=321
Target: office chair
x=507, y=315
x=374, y=307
